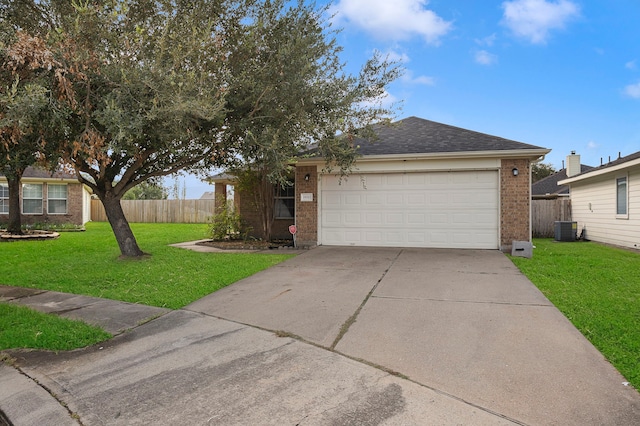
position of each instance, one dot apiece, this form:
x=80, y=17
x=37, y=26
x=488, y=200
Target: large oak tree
x=290, y=89
x=159, y=86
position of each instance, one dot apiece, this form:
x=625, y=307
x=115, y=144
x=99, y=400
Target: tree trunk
x=15, y=220
x=267, y=205
x=120, y=226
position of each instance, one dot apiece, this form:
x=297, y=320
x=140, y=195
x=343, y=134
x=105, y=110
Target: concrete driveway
x=351, y=336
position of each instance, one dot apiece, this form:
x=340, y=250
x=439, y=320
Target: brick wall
x=307, y=211
x=515, y=201
x=220, y=196
x=74, y=209
x=248, y=212
x=251, y=218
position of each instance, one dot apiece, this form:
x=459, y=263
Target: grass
x=88, y=263
x=21, y=327
x=597, y=288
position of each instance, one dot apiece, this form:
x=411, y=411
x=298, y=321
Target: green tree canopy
x=159, y=86
x=541, y=171
x=288, y=90
x=30, y=118
x=151, y=189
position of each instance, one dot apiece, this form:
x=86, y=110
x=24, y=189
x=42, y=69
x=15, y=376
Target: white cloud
x=534, y=19
x=633, y=90
x=386, y=100
x=631, y=65
x=395, y=20
x=485, y=58
x=423, y=79
x=409, y=78
x=592, y=145
x=393, y=56
x=487, y=41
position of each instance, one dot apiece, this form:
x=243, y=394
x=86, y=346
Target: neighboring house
x=45, y=198
x=548, y=188
x=208, y=195
x=419, y=184
x=606, y=202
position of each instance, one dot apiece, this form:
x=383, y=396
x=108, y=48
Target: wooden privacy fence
x=159, y=211
x=545, y=212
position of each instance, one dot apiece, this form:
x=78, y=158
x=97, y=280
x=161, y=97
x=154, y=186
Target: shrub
x=227, y=224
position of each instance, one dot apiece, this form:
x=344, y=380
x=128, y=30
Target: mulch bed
x=29, y=235
x=248, y=245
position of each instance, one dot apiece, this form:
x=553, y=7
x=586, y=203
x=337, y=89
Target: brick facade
x=307, y=211
x=251, y=217
x=74, y=208
x=515, y=203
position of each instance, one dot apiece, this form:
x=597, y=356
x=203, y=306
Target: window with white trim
x=285, y=202
x=621, y=197
x=32, y=198
x=56, y=199
x=4, y=198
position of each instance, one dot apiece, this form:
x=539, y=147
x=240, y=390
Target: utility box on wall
x=565, y=231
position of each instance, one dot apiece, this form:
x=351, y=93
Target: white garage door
x=433, y=209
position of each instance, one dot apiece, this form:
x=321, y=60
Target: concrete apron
x=465, y=323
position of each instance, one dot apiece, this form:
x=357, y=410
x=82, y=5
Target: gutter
x=600, y=172
x=533, y=154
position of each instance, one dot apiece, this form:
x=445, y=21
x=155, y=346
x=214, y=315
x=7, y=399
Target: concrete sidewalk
x=471, y=339
x=111, y=315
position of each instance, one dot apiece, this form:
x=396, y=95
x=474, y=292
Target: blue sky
x=561, y=74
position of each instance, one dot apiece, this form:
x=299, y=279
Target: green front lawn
x=21, y=327
x=597, y=287
x=88, y=263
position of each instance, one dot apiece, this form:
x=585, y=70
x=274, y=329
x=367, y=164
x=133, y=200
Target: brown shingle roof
x=415, y=135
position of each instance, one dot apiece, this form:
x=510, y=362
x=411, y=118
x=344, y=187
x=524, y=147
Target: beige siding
x=593, y=204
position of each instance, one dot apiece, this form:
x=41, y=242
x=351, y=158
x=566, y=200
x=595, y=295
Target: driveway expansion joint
x=64, y=405
x=352, y=319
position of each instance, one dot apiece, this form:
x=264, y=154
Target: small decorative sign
x=307, y=196
x=293, y=229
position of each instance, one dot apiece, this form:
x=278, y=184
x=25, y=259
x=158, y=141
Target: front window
x=285, y=202
x=4, y=198
x=621, y=196
x=57, y=199
x=32, y=198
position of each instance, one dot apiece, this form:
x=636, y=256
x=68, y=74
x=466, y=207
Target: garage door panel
x=353, y=218
x=419, y=179
x=438, y=219
x=394, y=200
x=394, y=219
x=374, y=199
x=417, y=199
x=417, y=219
x=373, y=219
x=432, y=209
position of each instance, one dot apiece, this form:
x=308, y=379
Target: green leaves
x=289, y=89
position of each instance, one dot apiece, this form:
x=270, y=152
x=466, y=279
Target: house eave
x=531, y=154
x=595, y=173
x=45, y=180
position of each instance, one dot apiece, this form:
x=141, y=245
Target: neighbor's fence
x=545, y=212
x=159, y=211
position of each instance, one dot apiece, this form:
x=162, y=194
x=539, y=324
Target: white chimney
x=573, y=164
